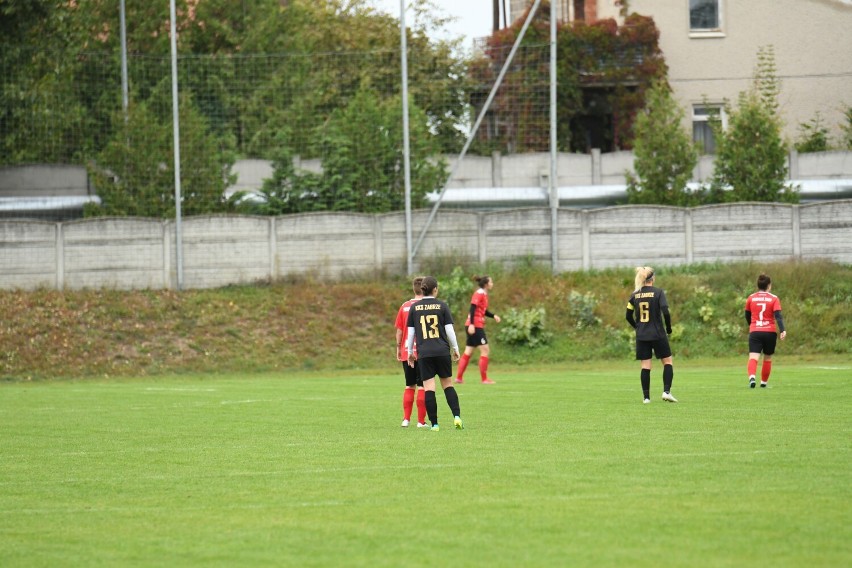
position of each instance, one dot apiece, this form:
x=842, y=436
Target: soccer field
x=556, y=467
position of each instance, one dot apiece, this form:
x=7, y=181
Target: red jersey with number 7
x=763, y=306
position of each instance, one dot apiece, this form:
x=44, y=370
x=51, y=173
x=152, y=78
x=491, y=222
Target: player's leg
x=445, y=372
x=484, y=354
x=427, y=373
x=754, y=348
x=409, y=394
x=768, y=351
x=464, y=360
x=643, y=354
x=663, y=351
x=421, y=401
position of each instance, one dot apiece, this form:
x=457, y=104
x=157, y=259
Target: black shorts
x=478, y=338
x=412, y=375
x=659, y=346
x=762, y=341
x=431, y=366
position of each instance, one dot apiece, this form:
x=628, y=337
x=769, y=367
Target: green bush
x=524, y=327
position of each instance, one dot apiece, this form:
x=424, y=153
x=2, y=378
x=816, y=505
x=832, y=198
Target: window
x=705, y=15
x=579, y=10
x=702, y=134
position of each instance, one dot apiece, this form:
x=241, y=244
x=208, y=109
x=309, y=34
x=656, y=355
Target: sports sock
x=752, y=367
x=483, y=367
x=764, y=372
x=421, y=406
x=645, y=376
x=668, y=376
x=431, y=407
x=465, y=359
x=452, y=400
x=407, y=403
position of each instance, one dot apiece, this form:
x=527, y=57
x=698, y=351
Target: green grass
x=557, y=466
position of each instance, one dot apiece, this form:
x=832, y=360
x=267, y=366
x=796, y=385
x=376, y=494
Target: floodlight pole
x=406, y=144
x=554, y=189
x=176, y=130
x=123, y=22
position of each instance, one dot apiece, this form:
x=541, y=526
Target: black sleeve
x=779, y=319
x=629, y=317
x=488, y=314
x=472, y=312
x=667, y=316
x=748, y=316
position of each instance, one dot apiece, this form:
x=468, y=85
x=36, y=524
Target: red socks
x=407, y=403
x=483, y=367
x=764, y=372
x=752, y=367
x=465, y=359
x=421, y=406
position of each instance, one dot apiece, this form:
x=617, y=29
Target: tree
x=846, y=137
x=813, y=136
x=134, y=174
x=751, y=158
x=665, y=155
x=362, y=163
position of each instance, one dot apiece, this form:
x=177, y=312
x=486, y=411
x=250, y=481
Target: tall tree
x=665, y=155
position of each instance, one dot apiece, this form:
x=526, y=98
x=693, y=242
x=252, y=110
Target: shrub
x=581, y=308
x=524, y=327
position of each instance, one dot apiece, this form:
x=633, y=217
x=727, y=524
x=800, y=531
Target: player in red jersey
x=763, y=314
x=413, y=382
x=475, y=328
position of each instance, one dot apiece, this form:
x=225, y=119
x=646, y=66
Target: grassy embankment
x=310, y=324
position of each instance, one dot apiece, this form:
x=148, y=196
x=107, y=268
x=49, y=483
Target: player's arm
x=398, y=342
x=629, y=315
x=668, y=318
x=748, y=317
x=409, y=346
x=470, y=315
x=454, y=342
x=779, y=321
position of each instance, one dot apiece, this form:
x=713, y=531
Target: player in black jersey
x=646, y=310
x=430, y=323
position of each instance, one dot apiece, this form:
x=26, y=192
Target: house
x=711, y=49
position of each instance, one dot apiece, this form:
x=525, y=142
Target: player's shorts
x=430, y=366
x=762, y=341
x=412, y=374
x=478, y=338
x=659, y=346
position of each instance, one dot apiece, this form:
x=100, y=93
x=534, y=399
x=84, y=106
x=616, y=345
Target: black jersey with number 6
x=428, y=318
x=648, y=305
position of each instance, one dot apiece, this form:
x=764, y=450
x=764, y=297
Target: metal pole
x=469, y=141
x=176, y=129
x=123, y=22
x=406, y=144
x=554, y=189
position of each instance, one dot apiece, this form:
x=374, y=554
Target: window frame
x=696, y=118
x=699, y=33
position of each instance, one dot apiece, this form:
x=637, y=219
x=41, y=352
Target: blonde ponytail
x=643, y=274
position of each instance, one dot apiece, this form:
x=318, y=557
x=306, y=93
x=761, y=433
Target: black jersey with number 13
x=428, y=318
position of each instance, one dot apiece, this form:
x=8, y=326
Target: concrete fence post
x=273, y=250
x=60, y=257
x=793, y=164
x=378, y=245
x=797, y=232
x=480, y=224
x=597, y=172
x=689, y=246
x=167, y=260
x=585, y=231
x=496, y=169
